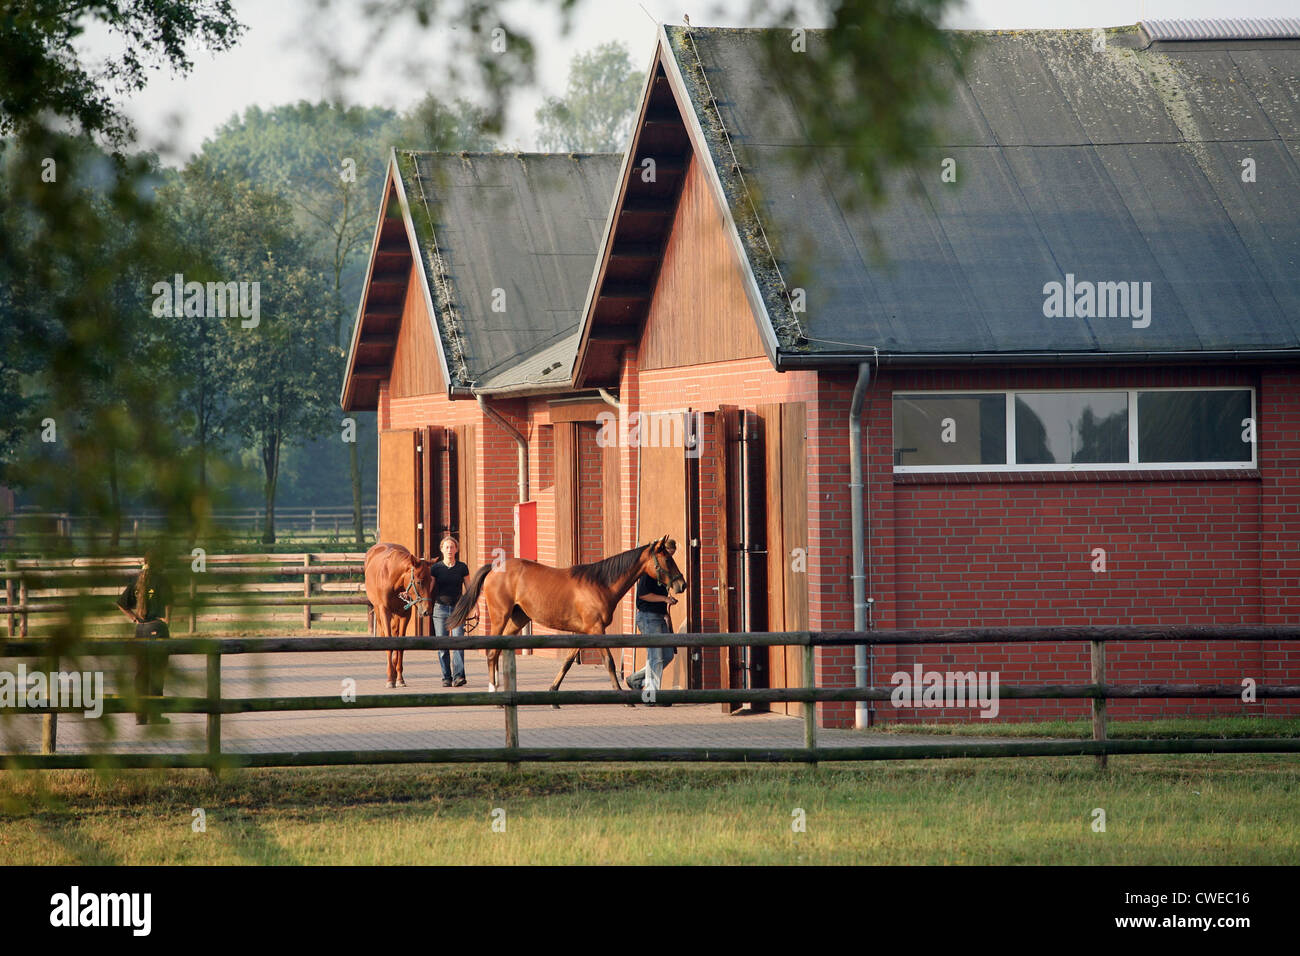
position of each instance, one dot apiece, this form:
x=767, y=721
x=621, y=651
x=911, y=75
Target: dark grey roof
x=1120, y=165
x=526, y=224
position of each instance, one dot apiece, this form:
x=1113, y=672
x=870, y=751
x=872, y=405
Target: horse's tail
x=469, y=599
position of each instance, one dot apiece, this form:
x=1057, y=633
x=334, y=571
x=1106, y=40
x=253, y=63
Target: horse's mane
x=607, y=572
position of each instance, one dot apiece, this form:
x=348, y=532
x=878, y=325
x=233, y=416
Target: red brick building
x=1079, y=367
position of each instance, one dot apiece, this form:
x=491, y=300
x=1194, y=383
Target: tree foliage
x=599, y=104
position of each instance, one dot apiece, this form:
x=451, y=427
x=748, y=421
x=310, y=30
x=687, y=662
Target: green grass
x=1171, y=727
x=1226, y=809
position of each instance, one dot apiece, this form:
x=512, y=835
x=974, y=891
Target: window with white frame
x=1074, y=430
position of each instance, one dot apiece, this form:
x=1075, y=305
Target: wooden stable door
x=413, y=490
x=398, y=481
x=668, y=500
x=785, y=438
x=738, y=465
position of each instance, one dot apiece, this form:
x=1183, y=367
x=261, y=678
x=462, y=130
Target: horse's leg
x=382, y=628
x=402, y=624
x=613, y=674
x=564, y=669
x=514, y=623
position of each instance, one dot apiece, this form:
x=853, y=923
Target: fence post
x=810, y=708
x=50, y=722
x=22, y=600
x=11, y=566
x=1099, y=703
x=214, y=719
x=306, y=593
x=194, y=607
x=512, y=710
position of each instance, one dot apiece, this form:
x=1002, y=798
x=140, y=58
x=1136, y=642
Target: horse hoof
x=401, y=683
x=389, y=684
x=555, y=707
x=492, y=688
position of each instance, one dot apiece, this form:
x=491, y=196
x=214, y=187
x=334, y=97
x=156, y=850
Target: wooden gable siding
x=699, y=312
x=415, y=359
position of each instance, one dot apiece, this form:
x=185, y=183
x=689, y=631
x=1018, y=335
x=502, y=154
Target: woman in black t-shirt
x=652, y=604
x=449, y=576
x=146, y=600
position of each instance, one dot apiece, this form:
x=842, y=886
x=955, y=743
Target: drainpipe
x=861, y=669
x=492, y=413
x=609, y=399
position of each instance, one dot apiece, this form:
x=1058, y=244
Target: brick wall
x=988, y=550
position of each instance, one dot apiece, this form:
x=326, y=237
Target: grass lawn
x=1171, y=727
x=1163, y=809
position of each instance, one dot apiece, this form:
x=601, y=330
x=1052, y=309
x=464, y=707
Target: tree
x=328, y=162
x=42, y=78
x=599, y=105
x=283, y=383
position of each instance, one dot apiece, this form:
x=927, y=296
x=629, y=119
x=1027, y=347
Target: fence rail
x=511, y=698
x=26, y=525
x=45, y=587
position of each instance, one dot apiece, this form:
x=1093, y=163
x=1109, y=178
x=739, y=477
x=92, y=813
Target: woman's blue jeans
x=453, y=662
x=656, y=658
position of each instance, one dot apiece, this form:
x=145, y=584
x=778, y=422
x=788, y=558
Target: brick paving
x=270, y=675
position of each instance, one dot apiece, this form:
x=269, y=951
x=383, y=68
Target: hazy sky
x=279, y=59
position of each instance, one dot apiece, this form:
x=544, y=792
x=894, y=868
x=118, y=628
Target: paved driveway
x=269, y=675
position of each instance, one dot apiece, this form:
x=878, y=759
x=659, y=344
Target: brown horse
x=576, y=600
x=397, y=583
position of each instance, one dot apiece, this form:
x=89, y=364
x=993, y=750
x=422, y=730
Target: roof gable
x=1114, y=166
x=507, y=244
x=665, y=137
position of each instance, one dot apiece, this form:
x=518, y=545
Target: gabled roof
x=506, y=244
x=1114, y=166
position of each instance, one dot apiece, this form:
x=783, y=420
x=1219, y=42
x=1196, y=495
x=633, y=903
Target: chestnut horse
x=397, y=583
x=576, y=600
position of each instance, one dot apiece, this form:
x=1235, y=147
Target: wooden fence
x=214, y=704
x=34, y=526
x=230, y=587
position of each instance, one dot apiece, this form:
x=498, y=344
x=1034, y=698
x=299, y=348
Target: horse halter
x=410, y=597
x=660, y=573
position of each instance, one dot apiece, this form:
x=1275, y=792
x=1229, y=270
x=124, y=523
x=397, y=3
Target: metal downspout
x=861, y=675
x=492, y=413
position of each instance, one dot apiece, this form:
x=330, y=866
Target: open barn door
x=668, y=504
x=739, y=465
x=784, y=435
x=398, y=486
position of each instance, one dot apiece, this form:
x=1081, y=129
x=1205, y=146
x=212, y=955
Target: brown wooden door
x=784, y=436
x=662, y=509
x=729, y=508
x=466, y=479
x=398, y=488
x=566, y=493
x=741, y=467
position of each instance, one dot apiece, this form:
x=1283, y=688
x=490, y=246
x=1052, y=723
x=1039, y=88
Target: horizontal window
x=950, y=430
x=1070, y=428
x=1075, y=429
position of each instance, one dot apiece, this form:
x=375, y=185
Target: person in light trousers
x=652, y=604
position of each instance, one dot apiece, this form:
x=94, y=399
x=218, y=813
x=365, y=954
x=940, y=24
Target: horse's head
x=662, y=566
x=419, y=586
